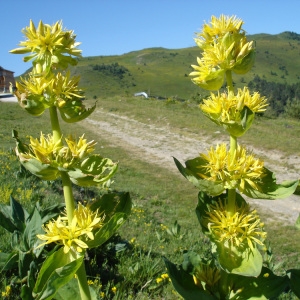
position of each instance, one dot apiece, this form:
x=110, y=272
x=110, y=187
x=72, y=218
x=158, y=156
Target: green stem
x=229, y=80
x=82, y=282
x=232, y=192
x=55, y=124
x=68, y=195
x=70, y=203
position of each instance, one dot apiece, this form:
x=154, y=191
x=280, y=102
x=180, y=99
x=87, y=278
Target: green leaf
x=107, y=230
x=294, y=275
x=191, y=173
x=6, y=220
x=9, y=261
x=266, y=286
x=240, y=127
x=269, y=189
x=70, y=291
x=33, y=227
x=18, y=213
x=26, y=293
x=184, y=284
x=56, y=271
x=240, y=261
x=112, y=203
x=297, y=224
x=74, y=111
x=95, y=170
x=37, y=168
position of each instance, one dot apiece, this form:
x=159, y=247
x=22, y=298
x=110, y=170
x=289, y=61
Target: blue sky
x=109, y=27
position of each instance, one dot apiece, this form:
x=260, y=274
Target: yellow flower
x=114, y=289
x=217, y=28
x=50, y=46
x=206, y=276
x=226, y=107
x=65, y=88
x=233, y=171
x=225, y=47
x=72, y=236
x=159, y=280
x=80, y=149
x=7, y=291
x=44, y=149
x=241, y=229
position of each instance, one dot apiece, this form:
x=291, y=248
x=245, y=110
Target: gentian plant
x=50, y=86
x=224, y=174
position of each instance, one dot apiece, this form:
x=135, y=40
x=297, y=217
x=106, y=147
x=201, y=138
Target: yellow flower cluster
x=7, y=292
x=233, y=171
x=224, y=47
x=49, y=45
x=47, y=151
x=241, y=229
x=48, y=91
x=163, y=278
x=73, y=236
x=226, y=107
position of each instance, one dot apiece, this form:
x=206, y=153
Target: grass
x=163, y=222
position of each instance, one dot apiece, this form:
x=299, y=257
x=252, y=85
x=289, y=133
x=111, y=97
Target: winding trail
x=159, y=145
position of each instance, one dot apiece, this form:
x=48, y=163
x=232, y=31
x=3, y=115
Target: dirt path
x=159, y=144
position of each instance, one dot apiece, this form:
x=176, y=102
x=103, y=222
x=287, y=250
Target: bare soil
x=159, y=145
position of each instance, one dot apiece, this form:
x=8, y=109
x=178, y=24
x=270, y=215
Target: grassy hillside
x=164, y=72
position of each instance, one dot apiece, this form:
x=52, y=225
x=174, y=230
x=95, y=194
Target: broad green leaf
x=6, y=218
x=33, y=227
x=37, y=168
x=70, y=291
x=95, y=170
x=26, y=293
x=244, y=262
x=74, y=111
x=107, y=230
x=25, y=259
x=18, y=214
x=56, y=271
x=191, y=172
x=297, y=224
x=269, y=189
x=9, y=261
x=184, y=284
x=112, y=203
x=294, y=275
x=266, y=286
x=34, y=104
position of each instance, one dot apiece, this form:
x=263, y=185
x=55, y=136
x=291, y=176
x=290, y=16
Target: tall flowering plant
x=49, y=86
x=224, y=174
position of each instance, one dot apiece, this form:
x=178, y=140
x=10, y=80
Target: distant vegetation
x=163, y=73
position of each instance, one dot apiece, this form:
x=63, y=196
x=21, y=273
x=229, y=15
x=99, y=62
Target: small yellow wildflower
x=241, y=229
x=7, y=291
x=233, y=171
x=102, y=294
x=159, y=280
x=90, y=282
x=72, y=236
x=114, y=289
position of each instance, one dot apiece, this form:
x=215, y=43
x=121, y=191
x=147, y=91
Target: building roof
x=2, y=69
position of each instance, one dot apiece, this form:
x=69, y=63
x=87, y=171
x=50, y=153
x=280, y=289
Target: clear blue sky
x=109, y=27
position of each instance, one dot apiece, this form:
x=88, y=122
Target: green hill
x=164, y=72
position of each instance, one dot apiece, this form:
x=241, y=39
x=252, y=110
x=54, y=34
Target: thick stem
x=82, y=282
x=55, y=124
x=68, y=195
x=232, y=192
x=229, y=80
